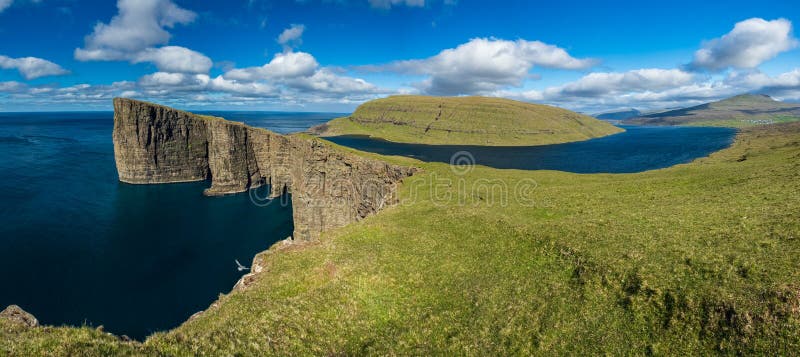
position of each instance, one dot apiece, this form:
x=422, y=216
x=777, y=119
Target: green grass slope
x=738, y=112
x=466, y=121
x=701, y=258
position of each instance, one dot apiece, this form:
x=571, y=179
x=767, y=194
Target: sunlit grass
x=467, y=121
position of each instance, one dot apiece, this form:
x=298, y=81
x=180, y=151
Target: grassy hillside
x=699, y=258
x=739, y=111
x=466, y=121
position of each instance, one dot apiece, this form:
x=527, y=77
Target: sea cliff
x=329, y=187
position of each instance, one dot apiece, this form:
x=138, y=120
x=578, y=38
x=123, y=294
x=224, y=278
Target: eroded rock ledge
x=329, y=187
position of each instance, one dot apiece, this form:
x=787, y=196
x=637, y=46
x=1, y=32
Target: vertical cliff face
x=155, y=144
x=329, y=187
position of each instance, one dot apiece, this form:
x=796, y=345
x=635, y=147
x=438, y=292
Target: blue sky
x=329, y=55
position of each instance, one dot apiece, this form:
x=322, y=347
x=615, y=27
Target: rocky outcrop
x=17, y=315
x=329, y=187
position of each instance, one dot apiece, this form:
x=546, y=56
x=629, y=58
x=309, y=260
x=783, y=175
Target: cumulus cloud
x=658, y=88
x=288, y=78
x=32, y=67
x=138, y=25
x=297, y=74
x=785, y=85
x=643, y=89
x=300, y=71
x=292, y=37
x=162, y=83
x=750, y=43
x=175, y=59
x=608, y=83
x=282, y=65
x=483, y=65
x=325, y=81
x=134, y=32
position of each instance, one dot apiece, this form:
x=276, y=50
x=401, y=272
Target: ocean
x=78, y=247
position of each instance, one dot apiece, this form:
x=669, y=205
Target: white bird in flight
x=239, y=266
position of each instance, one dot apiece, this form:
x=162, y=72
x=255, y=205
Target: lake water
x=639, y=148
x=78, y=247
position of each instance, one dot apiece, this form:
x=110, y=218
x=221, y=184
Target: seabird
x=239, y=266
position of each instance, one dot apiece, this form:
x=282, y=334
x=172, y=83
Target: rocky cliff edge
x=329, y=187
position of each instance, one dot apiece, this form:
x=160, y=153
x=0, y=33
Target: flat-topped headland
x=330, y=187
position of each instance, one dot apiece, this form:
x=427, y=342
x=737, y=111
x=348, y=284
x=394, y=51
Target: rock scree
x=330, y=187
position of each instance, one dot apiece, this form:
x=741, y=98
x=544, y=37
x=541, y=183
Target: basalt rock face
x=329, y=187
x=155, y=144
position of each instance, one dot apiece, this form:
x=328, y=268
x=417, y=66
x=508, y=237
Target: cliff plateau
x=329, y=187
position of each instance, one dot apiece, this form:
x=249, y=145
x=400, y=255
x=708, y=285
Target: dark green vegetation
x=699, y=258
x=466, y=121
x=738, y=112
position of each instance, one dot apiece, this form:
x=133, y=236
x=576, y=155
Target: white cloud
x=620, y=90
x=300, y=72
x=166, y=79
x=132, y=34
x=326, y=81
x=785, y=85
x=175, y=59
x=289, y=78
x=750, y=43
x=163, y=83
x=295, y=74
x=607, y=83
x=292, y=37
x=260, y=90
x=758, y=79
x=4, y=4
x=138, y=25
x=282, y=65
x=658, y=88
x=387, y=4
x=32, y=67
x=11, y=86
x=484, y=65
x=289, y=75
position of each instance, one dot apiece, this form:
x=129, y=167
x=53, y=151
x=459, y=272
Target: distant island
x=466, y=121
x=739, y=111
x=618, y=114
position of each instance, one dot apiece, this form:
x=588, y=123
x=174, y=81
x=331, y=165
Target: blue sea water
x=78, y=247
x=639, y=148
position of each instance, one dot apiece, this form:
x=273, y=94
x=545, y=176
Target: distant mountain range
x=619, y=114
x=739, y=111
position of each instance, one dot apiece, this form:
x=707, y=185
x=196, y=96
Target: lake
x=639, y=148
x=78, y=247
